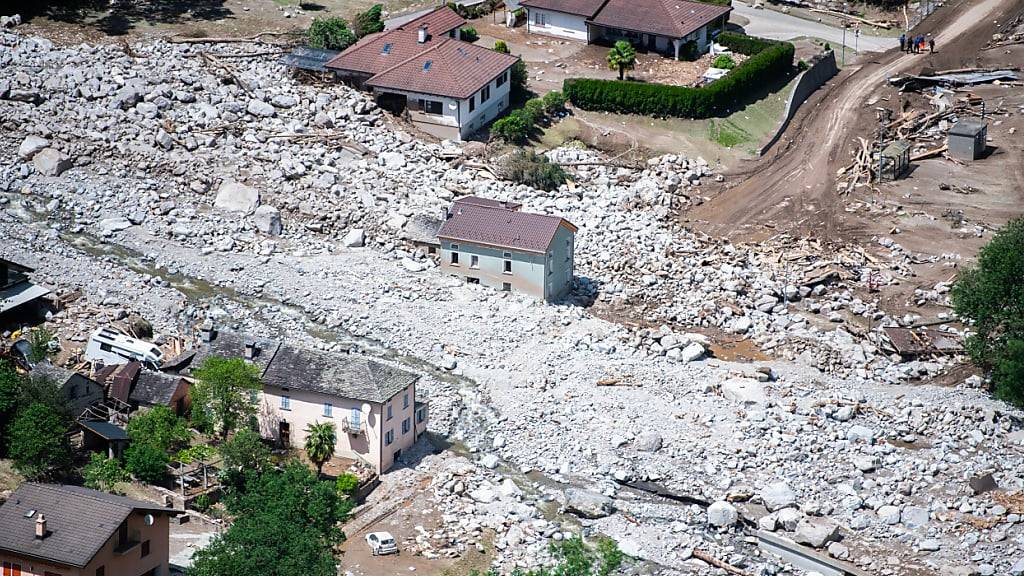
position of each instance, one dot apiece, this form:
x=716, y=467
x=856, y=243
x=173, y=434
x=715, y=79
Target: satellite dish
x=147, y=519
x=365, y=408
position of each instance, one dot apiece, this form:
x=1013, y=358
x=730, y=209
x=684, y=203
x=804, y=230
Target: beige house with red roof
x=447, y=87
x=663, y=26
x=493, y=243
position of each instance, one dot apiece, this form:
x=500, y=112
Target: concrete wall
x=127, y=562
x=557, y=24
x=307, y=407
x=820, y=71
x=560, y=264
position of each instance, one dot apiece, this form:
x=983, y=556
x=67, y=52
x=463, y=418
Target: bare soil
x=793, y=189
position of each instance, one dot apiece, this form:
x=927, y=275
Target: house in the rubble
x=495, y=244
x=137, y=387
x=663, y=26
x=17, y=293
x=51, y=529
x=78, y=389
x=372, y=405
x=447, y=87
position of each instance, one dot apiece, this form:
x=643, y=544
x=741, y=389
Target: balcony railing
x=353, y=427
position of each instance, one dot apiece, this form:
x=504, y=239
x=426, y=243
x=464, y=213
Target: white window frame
x=474, y=261
x=286, y=402
x=328, y=410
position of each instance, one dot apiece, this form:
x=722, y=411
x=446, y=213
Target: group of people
x=916, y=44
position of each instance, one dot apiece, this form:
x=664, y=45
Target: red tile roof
x=578, y=7
x=450, y=68
x=501, y=228
x=671, y=18
x=378, y=52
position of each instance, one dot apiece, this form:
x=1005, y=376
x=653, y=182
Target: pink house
x=372, y=405
x=56, y=530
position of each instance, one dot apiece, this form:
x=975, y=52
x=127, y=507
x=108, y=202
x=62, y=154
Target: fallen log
x=704, y=556
x=929, y=153
x=884, y=25
x=659, y=490
x=228, y=40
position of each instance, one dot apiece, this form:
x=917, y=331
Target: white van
x=110, y=347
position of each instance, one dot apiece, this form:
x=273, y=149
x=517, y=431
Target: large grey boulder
x=127, y=97
x=746, y=391
x=260, y=108
x=109, y=226
x=51, y=162
x=31, y=146
x=778, y=496
x=649, y=442
x=237, y=197
x=586, y=504
x=268, y=220
x=355, y=238
x=914, y=517
x=816, y=532
x=722, y=514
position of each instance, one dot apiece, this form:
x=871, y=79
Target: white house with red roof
x=664, y=26
x=493, y=243
x=447, y=87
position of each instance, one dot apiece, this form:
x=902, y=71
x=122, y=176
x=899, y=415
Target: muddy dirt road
x=793, y=188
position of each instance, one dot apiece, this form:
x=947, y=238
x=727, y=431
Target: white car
x=381, y=543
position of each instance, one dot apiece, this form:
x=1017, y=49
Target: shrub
x=468, y=33
x=160, y=427
x=743, y=44
x=202, y=503
x=501, y=46
x=683, y=101
x=38, y=444
x=621, y=57
x=554, y=102
x=330, y=34
x=519, y=77
x=347, y=484
x=368, y=22
x=39, y=342
x=511, y=128
x=528, y=167
x=724, y=62
x=146, y=462
x=992, y=295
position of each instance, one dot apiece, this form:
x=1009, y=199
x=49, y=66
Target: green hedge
x=769, y=61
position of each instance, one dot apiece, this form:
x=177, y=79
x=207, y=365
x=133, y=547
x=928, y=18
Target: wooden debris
x=223, y=40
x=705, y=557
x=929, y=153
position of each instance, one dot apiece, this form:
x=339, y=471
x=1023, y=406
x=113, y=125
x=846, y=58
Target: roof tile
x=503, y=228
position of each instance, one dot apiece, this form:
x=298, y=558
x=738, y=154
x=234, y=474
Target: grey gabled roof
x=79, y=521
x=228, y=344
x=154, y=388
x=346, y=375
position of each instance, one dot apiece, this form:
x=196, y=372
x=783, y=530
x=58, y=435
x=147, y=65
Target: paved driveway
x=779, y=26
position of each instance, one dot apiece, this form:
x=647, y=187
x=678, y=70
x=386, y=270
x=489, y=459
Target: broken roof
x=968, y=127
x=306, y=58
x=155, y=388
x=586, y=8
x=671, y=18
x=502, y=228
x=346, y=375
x=379, y=52
x=450, y=68
x=104, y=430
x=488, y=202
x=79, y=521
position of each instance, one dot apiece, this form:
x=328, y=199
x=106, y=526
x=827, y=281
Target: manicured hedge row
x=771, y=61
x=743, y=44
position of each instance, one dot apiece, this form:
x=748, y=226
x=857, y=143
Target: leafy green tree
x=369, y=22
x=146, y=462
x=330, y=34
x=528, y=167
x=287, y=523
x=622, y=57
x=469, y=34
x=991, y=294
x=320, y=441
x=159, y=427
x=518, y=77
x=501, y=46
x=10, y=388
x=102, y=473
x=245, y=450
x=38, y=389
x=38, y=441
x=535, y=108
x=225, y=391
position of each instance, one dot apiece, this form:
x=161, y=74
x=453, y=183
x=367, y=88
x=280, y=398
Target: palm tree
x=621, y=57
x=320, y=441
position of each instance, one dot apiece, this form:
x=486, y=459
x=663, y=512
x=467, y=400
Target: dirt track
x=793, y=189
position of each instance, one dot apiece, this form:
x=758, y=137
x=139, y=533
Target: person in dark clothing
x=903, y=42
x=931, y=45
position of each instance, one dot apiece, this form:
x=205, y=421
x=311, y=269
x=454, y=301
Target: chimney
x=421, y=36
x=40, y=527
x=207, y=332
x=250, y=349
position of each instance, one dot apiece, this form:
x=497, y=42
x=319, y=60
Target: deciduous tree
x=38, y=441
x=225, y=391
